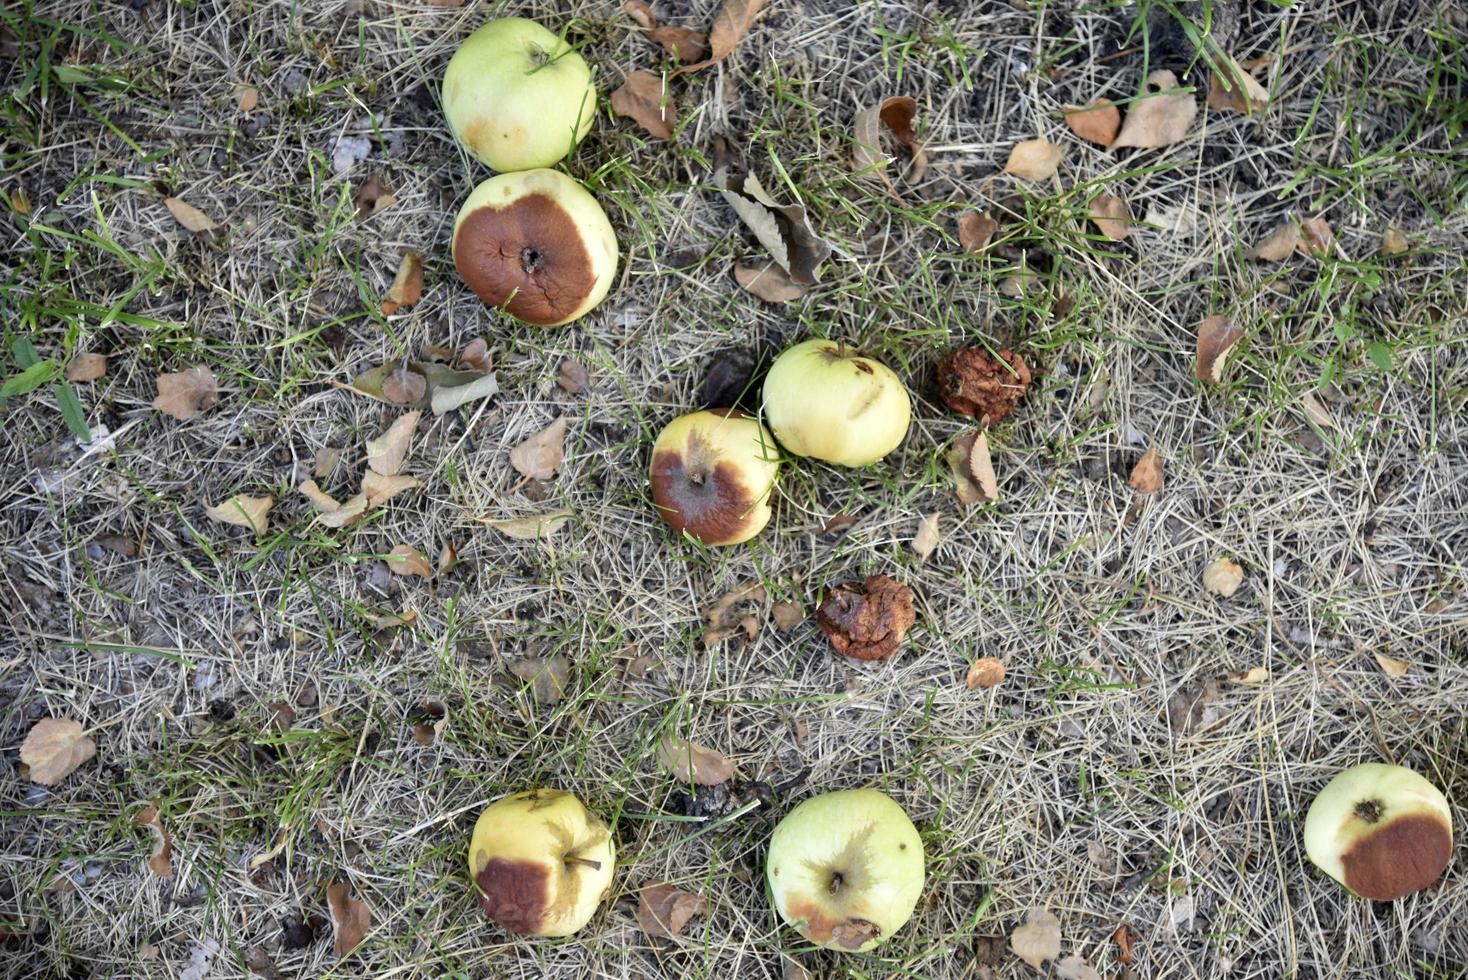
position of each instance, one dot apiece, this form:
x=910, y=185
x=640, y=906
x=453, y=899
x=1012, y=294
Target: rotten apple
x=712, y=475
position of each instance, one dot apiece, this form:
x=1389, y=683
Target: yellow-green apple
x=536, y=244
x=825, y=400
x=541, y=862
x=846, y=868
x=1382, y=831
x=517, y=96
x=712, y=475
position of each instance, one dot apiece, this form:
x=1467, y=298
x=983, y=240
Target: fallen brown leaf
x=373, y=197
x=1393, y=242
x=540, y=456
x=475, y=356
x=261, y=964
x=324, y=463
x=783, y=229
x=1124, y=937
x=350, y=918
x=242, y=510
x=448, y=557
x=1217, y=338
x=767, y=281
x=733, y=22
x=1037, y=940
x=1254, y=675
x=1317, y=412
x=249, y=99
x=645, y=100
x=404, y=559
x=1111, y=216
x=86, y=367
x=547, y=677
x=530, y=528
x=1391, y=668
x=572, y=377
x=407, y=285
x=1316, y=237
x=678, y=42
x=1223, y=577
x=1034, y=160
x=186, y=394
x=119, y=545
x=926, y=539
x=1075, y=968
x=404, y=386
x=733, y=611
x=378, y=489
x=973, y=470
x=1232, y=88
x=1147, y=474
x=786, y=616
x=896, y=115
x=190, y=217
x=985, y=672
x=975, y=231
x=1277, y=245
x=1096, y=122
x=690, y=762
x=1160, y=117
x=160, y=862
x=663, y=909
x=54, y=748
x=386, y=453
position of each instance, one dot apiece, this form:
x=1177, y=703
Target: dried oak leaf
x=1034, y=160
x=350, y=918
x=373, y=197
x=1096, y=122
x=1217, y=338
x=186, y=394
x=678, y=42
x=404, y=559
x=976, y=231
x=664, y=909
x=1037, y=940
x=1159, y=118
x=974, y=382
x=86, y=367
x=867, y=620
x=386, y=453
x=540, y=456
x=160, y=862
x=985, y=672
x=925, y=541
x=973, y=469
x=1233, y=88
x=572, y=377
x=1111, y=216
x=54, y=748
x=191, y=217
x=1277, y=245
x=783, y=229
x=689, y=762
x=733, y=22
x=735, y=610
x=242, y=510
x=1223, y=577
x=1147, y=474
x=645, y=99
x=547, y=677
x=407, y=285
x=767, y=281
x=895, y=114
x=530, y=528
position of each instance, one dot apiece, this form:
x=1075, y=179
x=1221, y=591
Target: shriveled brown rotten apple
x=974, y=382
x=712, y=475
x=536, y=244
x=867, y=620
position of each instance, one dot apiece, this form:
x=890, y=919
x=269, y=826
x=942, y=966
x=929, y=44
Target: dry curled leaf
x=1277, y=245
x=1223, y=577
x=540, y=456
x=1254, y=675
x=547, y=677
x=386, y=453
x=985, y=672
x=407, y=285
x=378, y=489
x=475, y=356
x=160, y=862
x=350, y=918
x=1147, y=474
x=404, y=559
x=573, y=377
x=926, y=539
x=783, y=229
x=1234, y=89
x=1034, y=160
x=326, y=460
x=1112, y=217
x=767, y=281
x=973, y=470
x=448, y=557
x=1316, y=411
x=373, y=197
x=1096, y=122
x=645, y=99
x=867, y=620
x=1217, y=338
x=1158, y=118
x=689, y=762
x=54, y=748
x=664, y=909
x=976, y=231
x=86, y=367
x=530, y=528
x=1037, y=940
x=1390, y=667
x=733, y=22
x=786, y=616
x=735, y=610
x=190, y=217
x=678, y=42
x=985, y=386
x=1075, y=968
x=242, y=510
x=249, y=99
x=894, y=115
x=1316, y=236
x=186, y=394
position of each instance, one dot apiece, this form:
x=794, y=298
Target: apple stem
x=593, y=865
x=840, y=346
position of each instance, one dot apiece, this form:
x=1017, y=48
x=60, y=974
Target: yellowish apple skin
x=824, y=401
x=865, y=836
x=504, y=191
x=1334, y=826
x=737, y=463
x=540, y=862
x=516, y=96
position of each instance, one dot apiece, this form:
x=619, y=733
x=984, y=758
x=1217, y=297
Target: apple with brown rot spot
x=712, y=475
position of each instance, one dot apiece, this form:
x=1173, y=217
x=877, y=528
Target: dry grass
x=1068, y=787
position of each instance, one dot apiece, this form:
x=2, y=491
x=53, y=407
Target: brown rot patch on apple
x=847, y=933
x=516, y=894
x=975, y=383
x=867, y=620
x=1398, y=857
x=697, y=493
x=526, y=256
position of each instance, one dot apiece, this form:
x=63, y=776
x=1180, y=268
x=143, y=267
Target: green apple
x=1382, y=831
x=846, y=868
x=824, y=400
x=536, y=244
x=516, y=96
x=712, y=475
x=541, y=862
